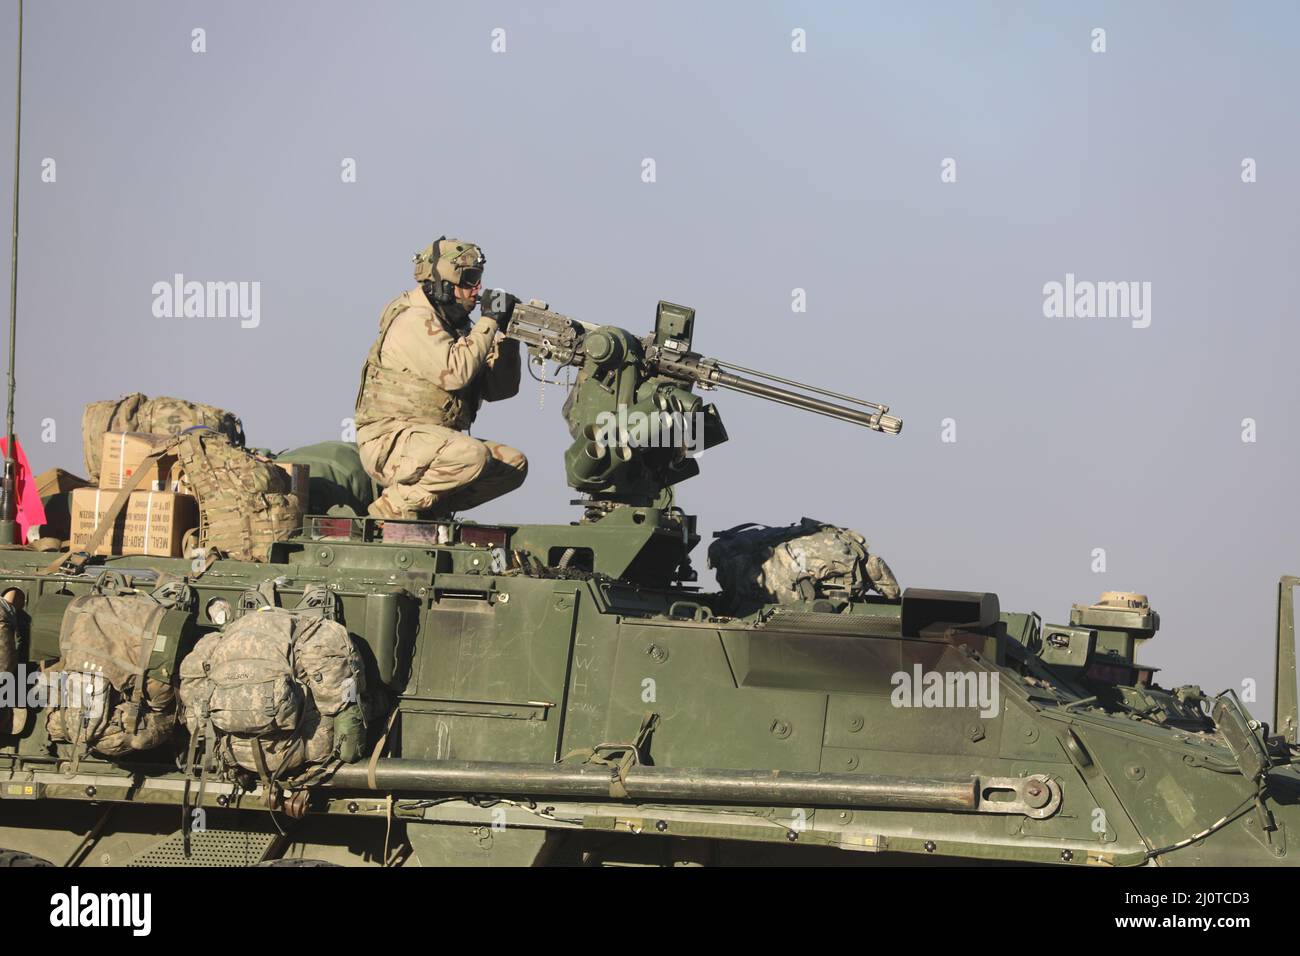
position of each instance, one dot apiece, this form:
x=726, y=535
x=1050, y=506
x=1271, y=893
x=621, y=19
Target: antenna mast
x=8, y=491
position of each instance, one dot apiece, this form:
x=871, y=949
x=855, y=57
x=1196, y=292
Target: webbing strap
x=208, y=736
x=379, y=749
x=199, y=732
x=79, y=739
x=76, y=561
x=209, y=556
x=738, y=528
x=259, y=760
x=632, y=754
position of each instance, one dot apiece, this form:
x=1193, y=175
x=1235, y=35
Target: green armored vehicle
x=450, y=692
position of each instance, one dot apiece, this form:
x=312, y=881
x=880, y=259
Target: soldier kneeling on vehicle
x=421, y=386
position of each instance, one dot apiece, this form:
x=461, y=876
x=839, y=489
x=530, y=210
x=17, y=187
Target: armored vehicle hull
x=557, y=714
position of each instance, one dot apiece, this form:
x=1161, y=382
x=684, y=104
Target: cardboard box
x=122, y=454
x=53, y=486
x=153, y=522
x=300, y=476
x=58, y=518
x=56, y=481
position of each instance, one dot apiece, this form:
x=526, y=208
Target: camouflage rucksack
x=278, y=693
x=245, y=503
x=113, y=689
x=153, y=416
x=759, y=565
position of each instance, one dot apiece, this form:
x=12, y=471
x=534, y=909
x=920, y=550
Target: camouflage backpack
x=113, y=690
x=245, y=502
x=758, y=565
x=152, y=416
x=278, y=693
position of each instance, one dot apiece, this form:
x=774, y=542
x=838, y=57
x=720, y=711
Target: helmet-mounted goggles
x=470, y=277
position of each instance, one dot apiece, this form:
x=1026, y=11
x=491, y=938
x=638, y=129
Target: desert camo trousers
x=431, y=471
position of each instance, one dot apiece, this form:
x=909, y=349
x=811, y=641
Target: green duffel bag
x=339, y=485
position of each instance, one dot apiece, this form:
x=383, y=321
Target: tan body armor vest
x=404, y=396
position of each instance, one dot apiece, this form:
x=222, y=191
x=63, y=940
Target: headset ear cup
x=437, y=291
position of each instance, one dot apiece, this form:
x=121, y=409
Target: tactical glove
x=498, y=304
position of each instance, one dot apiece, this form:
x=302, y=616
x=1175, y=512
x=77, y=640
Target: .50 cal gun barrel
x=711, y=372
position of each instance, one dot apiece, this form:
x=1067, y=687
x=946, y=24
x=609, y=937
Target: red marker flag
x=30, y=510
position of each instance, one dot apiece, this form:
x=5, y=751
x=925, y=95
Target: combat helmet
x=447, y=263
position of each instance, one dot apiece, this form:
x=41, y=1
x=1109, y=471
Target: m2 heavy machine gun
x=633, y=416
x=637, y=423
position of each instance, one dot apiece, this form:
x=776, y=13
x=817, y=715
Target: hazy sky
x=774, y=170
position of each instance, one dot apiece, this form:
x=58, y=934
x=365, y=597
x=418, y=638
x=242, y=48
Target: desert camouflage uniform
x=429, y=466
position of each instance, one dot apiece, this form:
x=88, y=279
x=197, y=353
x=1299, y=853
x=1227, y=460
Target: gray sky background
x=775, y=170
